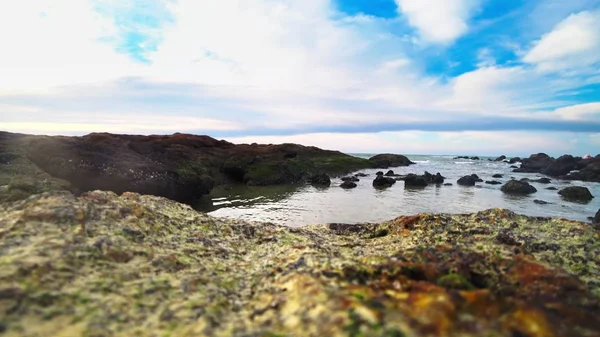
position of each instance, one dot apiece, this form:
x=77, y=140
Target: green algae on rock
x=134, y=265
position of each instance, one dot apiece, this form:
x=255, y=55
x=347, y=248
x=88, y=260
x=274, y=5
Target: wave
x=422, y=161
x=464, y=162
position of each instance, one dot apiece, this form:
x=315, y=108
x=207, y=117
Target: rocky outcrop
x=382, y=181
x=562, y=166
x=181, y=167
x=589, y=172
x=514, y=160
x=320, y=180
x=501, y=158
x=104, y=265
x=518, y=188
x=391, y=173
x=413, y=180
x=597, y=218
x=576, y=193
x=387, y=160
x=493, y=182
x=535, y=163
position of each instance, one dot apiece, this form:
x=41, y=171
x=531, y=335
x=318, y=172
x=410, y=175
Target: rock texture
x=382, y=181
x=565, y=167
x=467, y=181
x=132, y=265
x=390, y=160
x=181, y=167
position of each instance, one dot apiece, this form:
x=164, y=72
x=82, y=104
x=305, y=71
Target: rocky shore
x=138, y=265
x=180, y=167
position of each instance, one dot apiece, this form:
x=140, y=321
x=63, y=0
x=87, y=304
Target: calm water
x=301, y=205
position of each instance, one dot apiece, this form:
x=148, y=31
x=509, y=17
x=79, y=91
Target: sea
x=304, y=204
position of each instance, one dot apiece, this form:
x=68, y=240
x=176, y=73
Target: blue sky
x=406, y=76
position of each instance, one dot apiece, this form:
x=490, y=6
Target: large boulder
x=382, y=181
x=535, y=163
x=390, y=160
x=576, y=193
x=467, y=181
x=561, y=166
x=320, y=180
x=591, y=172
x=437, y=179
x=518, y=188
x=501, y=158
x=348, y=185
x=514, y=160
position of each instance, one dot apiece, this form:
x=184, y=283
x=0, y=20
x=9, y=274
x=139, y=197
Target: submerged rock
x=540, y=202
x=134, y=265
x=382, y=181
x=542, y=181
x=518, y=187
x=498, y=175
x=413, y=180
x=390, y=173
x=467, y=181
x=352, y=179
x=493, y=182
x=552, y=188
x=348, y=184
x=390, y=160
x=576, y=193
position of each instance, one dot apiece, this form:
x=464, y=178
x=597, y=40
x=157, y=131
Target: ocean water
x=303, y=205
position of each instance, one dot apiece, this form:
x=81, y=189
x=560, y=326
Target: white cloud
x=573, y=44
x=579, y=111
x=439, y=21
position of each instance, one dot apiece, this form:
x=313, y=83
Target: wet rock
x=390, y=160
x=561, y=166
x=501, y=158
x=597, y=218
x=462, y=157
x=576, y=193
x=552, y=188
x=493, y=182
x=514, y=167
x=320, y=180
x=514, y=160
x=591, y=171
x=535, y=163
x=542, y=181
x=540, y=202
x=433, y=179
x=382, y=181
x=413, y=180
x=518, y=188
x=497, y=176
x=474, y=158
x=352, y=179
x=390, y=173
x=379, y=173
x=348, y=185
x=361, y=175
x=448, y=184
x=467, y=181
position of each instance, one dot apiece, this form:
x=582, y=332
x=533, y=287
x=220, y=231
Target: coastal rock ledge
x=137, y=265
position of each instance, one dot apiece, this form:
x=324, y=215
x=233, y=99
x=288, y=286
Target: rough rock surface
x=576, y=193
x=181, y=167
x=518, y=187
x=104, y=265
x=467, y=181
x=413, y=180
x=390, y=160
x=348, y=184
x=320, y=180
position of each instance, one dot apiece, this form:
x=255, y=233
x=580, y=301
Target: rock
x=542, y=181
x=552, y=188
x=535, y=163
x=390, y=160
x=348, y=185
x=540, y=202
x=514, y=160
x=474, y=158
x=413, y=180
x=561, y=166
x=462, y=157
x=501, y=158
x=467, y=181
x=320, y=180
x=448, y=184
x=379, y=173
x=514, y=167
x=497, y=176
x=390, y=173
x=518, y=188
x=576, y=193
x=361, y=175
x=475, y=176
x=352, y=179
x=179, y=272
x=493, y=182
x=597, y=218
x=590, y=172
x=433, y=179
x=525, y=180
x=382, y=181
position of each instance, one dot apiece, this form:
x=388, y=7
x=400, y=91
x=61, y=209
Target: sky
x=485, y=77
